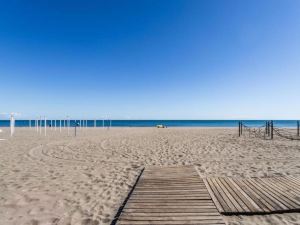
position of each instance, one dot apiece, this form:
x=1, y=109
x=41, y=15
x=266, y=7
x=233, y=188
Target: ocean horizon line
x=144, y=123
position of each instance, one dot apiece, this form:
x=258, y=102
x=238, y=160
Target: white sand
x=83, y=180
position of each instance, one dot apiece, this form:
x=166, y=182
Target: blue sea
x=152, y=123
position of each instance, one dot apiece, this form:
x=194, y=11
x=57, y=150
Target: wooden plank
x=170, y=194
x=168, y=204
x=191, y=203
x=178, y=222
x=172, y=217
x=135, y=206
x=184, y=209
x=179, y=214
x=174, y=191
x=174, y=197
x=168, y=198
x=176, y=210
x=172, y=181
x=169, y=188
x=172, y=186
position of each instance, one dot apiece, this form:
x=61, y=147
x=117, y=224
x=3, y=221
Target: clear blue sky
x=151, y=59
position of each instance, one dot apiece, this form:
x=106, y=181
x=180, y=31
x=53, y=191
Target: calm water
x=152, y=123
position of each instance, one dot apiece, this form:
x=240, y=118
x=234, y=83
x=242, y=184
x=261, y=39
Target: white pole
x=12, y=124
x=45, y=121
x=68, y=124
x=40, y=125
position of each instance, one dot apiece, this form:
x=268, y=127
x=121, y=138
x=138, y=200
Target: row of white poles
x=66, y=124
x=54, y=124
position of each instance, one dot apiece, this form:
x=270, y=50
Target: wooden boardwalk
x=177, y=195
x=173, y=195
x=255, y=195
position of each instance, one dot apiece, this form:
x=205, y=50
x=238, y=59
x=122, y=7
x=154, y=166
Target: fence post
x=298, y=128
x=75, y=128
x=241, y=128
x=272, y=129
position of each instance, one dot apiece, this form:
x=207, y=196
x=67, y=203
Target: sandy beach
x=67, y=180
